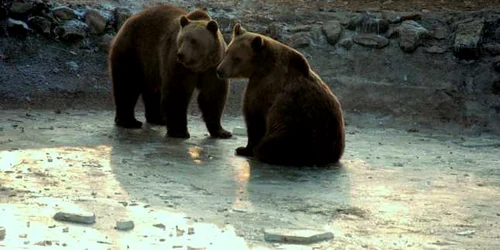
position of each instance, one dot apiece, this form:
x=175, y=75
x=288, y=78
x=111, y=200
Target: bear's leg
x=152, y=105
x=293, y=150
x=126, y=91
x=211, y=100
x=175, y=98
x=284, y=150
x=256, y=129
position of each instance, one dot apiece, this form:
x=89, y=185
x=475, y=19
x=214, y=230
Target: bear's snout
x=220, y=74
x=181, y=57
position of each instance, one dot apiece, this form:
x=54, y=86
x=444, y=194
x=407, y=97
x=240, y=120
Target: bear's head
x=200, y=44
x=239, y=59
x=248, y=50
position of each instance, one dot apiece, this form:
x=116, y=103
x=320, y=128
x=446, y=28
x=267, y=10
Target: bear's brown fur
x=292, y=117
x=165, y=53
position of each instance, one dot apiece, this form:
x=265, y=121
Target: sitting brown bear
x=164, y=53
x=292, y=117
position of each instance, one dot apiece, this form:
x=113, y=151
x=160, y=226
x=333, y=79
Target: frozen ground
x=394, y=189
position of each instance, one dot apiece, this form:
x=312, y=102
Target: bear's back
x=154, y=21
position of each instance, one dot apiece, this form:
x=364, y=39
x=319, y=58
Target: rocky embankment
x=426, y=66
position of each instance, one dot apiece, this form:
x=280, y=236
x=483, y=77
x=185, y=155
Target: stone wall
x=422, y=65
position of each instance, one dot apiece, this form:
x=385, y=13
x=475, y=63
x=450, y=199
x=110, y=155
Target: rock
x=3, y=12
x=466, y=233
x=299, y=40
x=193, y=247
x=305, y=236
x=160, y=225
x=332, y=31
x=124, y=225
x=492, y=48
x=497, y=34
x=44, y=243
x=64, y=13
x=82, y=218
x=468, y=34
x=371, y=40
x=436, y=50
x=441, y=33
x=394, y=17
x=368, y=24
x=40, y=24
x=121, y=15
x=391, y=16
x=225, y=24
x=20, y=9
x=17, y=28
x=411, y=34
x=411, y=16
x=72, y=30
x=95, y=21
x=300, y=28
x=496, y=66
x=3, y=232
x=72, y=66
x=275, y=31
x=105, y=43
x=346, y=43
x=239, y=131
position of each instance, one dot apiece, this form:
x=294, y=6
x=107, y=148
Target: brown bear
x=292, y=117
x=163, y=53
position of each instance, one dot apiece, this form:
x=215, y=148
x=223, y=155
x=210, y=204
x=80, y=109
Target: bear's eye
x=193, y=42
x=236, y=60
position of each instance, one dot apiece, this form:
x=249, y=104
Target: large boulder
x=95, y=21
x=492, y=49
x=121, y=15
x=20, y=9
x=332, y=31
x=371, y=40
x=467, y=38
x=71, y=30
x=411, y=34
x=41, y=25
x=17, y=28
x=64, y=13
x=368, y=24
x=299, y=40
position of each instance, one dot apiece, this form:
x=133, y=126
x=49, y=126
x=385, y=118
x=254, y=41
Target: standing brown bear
x=165, y=53
x=292, y=117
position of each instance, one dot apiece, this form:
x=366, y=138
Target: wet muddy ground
x=394, y=188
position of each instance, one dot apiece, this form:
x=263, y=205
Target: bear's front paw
x=177, y=134
x=222, y=134
x=244, y=151
x=133, y=124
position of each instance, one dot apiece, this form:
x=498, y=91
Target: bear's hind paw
x=133, y=124
x=182, y=135
x=222, y=134
x=244, y=151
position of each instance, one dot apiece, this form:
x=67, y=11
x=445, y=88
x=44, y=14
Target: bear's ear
x=299, y=63
x=184, y=21
x=213, y=27
x=238, y=30
x=257, y=43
